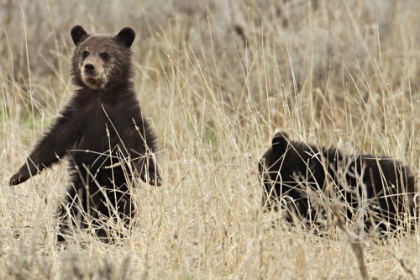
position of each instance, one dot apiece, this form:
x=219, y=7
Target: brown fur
x=103, y=134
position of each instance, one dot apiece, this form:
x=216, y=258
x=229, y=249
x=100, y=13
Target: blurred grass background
x=216, y=78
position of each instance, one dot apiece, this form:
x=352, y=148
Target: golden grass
x=215, y=87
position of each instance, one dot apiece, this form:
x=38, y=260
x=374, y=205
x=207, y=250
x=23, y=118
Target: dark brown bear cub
x=294, y=175
x=102, y=132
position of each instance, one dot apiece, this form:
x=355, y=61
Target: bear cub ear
x=78, y=34
x=126, y=36
x=281, y=138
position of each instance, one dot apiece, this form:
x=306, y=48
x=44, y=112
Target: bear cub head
x=101, y=61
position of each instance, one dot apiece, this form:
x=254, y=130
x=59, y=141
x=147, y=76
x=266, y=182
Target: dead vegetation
x=216, y=78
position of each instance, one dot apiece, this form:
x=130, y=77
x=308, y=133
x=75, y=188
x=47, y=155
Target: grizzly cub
x=295, y=175
x=102, y=132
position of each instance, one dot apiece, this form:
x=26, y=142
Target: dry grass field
x=216, y=79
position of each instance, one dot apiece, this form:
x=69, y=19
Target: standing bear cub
x=102, y=132
x=301, y=177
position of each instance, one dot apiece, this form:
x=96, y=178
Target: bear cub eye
x=85, y=54
x=104, y=56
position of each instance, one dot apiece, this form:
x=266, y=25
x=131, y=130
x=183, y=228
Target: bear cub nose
x=89, y=67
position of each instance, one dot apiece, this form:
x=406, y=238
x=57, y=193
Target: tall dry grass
x=216, y=78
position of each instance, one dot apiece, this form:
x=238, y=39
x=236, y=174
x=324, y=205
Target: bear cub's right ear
x=78, y=34
x=281, y=138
